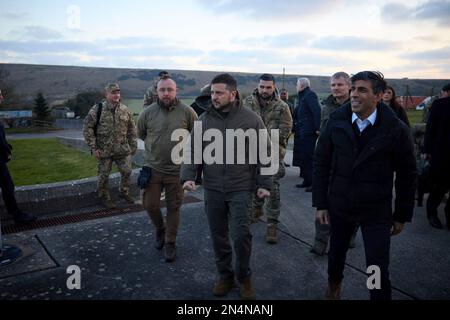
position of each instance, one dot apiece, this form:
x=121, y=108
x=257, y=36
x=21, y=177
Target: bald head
x=167, y=91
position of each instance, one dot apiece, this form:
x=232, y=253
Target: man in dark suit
x=361, y=148
x=437, y=149
x=6, y=182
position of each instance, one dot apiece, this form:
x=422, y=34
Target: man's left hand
x=397, y=227
x=262, y=193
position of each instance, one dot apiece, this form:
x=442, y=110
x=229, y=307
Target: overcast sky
x=399, y=38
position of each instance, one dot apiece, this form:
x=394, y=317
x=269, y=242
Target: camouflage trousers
x=272, y=204
x=104, y=169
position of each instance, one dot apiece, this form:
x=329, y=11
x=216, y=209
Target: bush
x=83, y=102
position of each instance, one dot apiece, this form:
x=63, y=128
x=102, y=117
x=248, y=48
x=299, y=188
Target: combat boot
x=257, y=213
x=170, y=252
x=333, y=291
x=246, y=290
x=127, y=198
x=223, y=286
x=107, y=202
x=271, y=236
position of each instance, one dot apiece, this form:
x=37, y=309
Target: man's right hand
x=323, y=216
x=189, y=186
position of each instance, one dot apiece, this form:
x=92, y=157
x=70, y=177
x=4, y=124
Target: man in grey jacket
x=229, y=185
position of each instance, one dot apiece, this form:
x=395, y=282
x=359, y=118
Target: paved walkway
x=118, y=261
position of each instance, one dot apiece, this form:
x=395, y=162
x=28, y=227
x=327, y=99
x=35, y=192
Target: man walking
x=340, y=94
x=276, y=116
x=229, y=187
x=361, y=148
x=306, y=129
x=155, y=127
x=109, y=130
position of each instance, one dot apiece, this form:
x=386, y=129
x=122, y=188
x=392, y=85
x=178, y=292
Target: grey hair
x=342, y=75
x=304, y=82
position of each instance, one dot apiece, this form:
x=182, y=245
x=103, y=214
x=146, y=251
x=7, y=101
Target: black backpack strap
x=99, y=114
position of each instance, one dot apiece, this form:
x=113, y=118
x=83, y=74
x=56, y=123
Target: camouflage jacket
x=150, y=96
x=275, y=115
x=116, y=131
x=155, y=126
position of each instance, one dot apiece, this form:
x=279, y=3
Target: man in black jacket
x=6, y=182
x=437, y=148
x=361, y=148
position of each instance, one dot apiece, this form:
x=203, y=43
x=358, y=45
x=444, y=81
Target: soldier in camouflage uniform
x=113, y=140
x=275, y=115
x=151, y=95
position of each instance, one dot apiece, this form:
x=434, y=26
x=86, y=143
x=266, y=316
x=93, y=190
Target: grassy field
x=414, y=116
x=30, y=130
x=37, y=161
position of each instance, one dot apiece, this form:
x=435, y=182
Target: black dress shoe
x=24, y=218
x=308, y=189
x=302, y=185
x=435, y=222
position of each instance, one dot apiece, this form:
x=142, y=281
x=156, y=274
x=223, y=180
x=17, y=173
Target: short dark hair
x=376, y=78
x=446, y=87
x=162, y=74
x=267, y=77
x=226, y=79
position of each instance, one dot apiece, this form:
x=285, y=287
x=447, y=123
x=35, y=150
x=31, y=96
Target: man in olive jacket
x=155, y=127
x=361, y=148
x=229, y=187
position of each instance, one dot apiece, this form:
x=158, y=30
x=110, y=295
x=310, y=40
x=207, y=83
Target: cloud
x=435, y=10
x=352, y=43
x=269, y=8
x=287, y=40
x=243, y=57
x=127, y=47
x=14, y=15
x=437, y=54
x=35, y=33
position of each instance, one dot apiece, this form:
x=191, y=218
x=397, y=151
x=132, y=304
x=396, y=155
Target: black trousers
x=377, y=241
x=7, y=186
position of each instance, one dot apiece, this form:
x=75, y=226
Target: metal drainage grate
x=85, y=216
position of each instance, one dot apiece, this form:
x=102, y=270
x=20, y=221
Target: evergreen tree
x=83, y=101
x=41, y=108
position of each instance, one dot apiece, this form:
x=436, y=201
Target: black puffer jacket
x=359, y=187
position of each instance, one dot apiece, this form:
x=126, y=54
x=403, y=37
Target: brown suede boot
x=257, y=213
x=127, y=198
x=271, y=236
x=333, y=291
x=247, y=291
x=223, y=286
x=107, y=202
x=171, y=252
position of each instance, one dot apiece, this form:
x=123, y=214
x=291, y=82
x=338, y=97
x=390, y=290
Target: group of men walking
x=352, y=153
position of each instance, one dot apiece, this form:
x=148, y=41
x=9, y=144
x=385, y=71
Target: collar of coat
x=331, y=101
x=387, y=123
x=234, y=110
